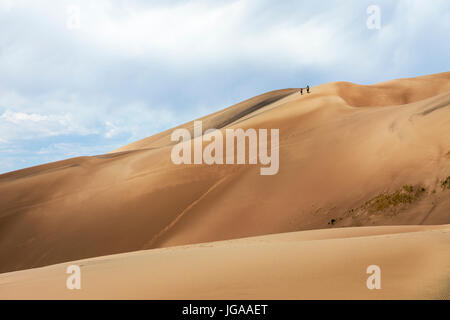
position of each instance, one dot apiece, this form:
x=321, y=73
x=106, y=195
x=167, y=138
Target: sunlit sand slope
x=350, y=155
x=320, y=264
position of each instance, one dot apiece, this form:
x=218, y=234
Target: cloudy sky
x=85, y=77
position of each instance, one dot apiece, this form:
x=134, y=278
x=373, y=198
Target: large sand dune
x=319, y=264
x=344, y=149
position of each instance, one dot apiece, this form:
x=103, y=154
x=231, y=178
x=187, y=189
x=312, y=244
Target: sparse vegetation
x=446, y=183
x=334, y=221
x=406, y=195
x=391, y=202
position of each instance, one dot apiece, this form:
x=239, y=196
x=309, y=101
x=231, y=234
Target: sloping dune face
x=317, y=264
x=350, y=155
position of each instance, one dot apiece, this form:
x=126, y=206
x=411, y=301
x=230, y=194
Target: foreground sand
x=340, y=146
x=319, y=264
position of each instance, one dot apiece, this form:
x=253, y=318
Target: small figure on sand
x=307, y=90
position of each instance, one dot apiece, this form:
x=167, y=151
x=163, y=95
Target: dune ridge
x=341, y=146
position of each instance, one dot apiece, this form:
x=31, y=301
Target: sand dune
x=319, y=264
x=344, y=150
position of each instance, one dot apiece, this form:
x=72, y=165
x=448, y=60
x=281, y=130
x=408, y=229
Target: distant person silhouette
x=307, y=88
x=301, y=91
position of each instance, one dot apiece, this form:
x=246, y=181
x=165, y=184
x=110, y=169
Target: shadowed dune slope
x=350, y=155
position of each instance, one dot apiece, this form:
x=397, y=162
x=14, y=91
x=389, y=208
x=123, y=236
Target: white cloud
x=112, y=129
x=66, y=150
x=138, y=120
x=64, y=114
x=18, y=117
x=22, y=126
x=201, y=32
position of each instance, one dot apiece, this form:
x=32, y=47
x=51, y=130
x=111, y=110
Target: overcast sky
x=85, y=77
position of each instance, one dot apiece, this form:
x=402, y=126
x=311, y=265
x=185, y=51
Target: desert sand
x=319, y=264
x=350, y=156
